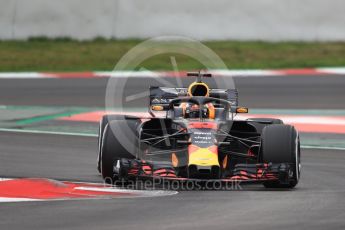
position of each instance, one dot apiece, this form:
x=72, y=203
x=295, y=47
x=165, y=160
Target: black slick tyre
x=280, y=144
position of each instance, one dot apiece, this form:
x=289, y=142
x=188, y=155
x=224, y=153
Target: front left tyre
x=280, y=144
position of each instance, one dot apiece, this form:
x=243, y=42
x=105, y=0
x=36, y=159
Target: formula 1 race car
x=199, y=139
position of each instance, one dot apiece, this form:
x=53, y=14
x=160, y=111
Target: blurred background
x=79, y=35
x=269, y=20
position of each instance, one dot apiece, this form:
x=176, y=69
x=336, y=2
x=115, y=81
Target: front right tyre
x=113, y=149
x=102, y=124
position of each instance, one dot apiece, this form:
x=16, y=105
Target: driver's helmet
x=191, y=110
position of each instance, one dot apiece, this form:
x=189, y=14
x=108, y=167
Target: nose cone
x=203, y=156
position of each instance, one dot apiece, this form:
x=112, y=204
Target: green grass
x=42, y=54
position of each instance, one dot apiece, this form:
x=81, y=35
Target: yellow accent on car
x=225, y=162
x=174, y=160
x=157, y=108
x=203, y=157
x=211, y=110
x=242, y=110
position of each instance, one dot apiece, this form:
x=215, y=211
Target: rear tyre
x=280, y=144
x=112, y=149
x=102, y=124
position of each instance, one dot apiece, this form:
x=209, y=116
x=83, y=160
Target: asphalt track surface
x=307, y=92
x=317, y=202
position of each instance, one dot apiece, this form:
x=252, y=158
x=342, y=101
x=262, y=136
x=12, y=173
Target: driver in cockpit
x=191, y=110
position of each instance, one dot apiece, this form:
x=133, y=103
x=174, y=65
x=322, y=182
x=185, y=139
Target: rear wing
x=161, y=96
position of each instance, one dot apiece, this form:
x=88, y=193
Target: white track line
x=47, y=132
x=322, y=147
x=340, y=70
x=6, y=199
x=23, y=75
x=137, y=193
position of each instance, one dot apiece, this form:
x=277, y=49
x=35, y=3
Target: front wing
x=128, y=169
